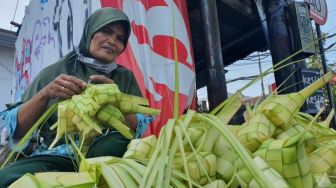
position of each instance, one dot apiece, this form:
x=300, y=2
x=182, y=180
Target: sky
x=236, y=70
x=7, y=10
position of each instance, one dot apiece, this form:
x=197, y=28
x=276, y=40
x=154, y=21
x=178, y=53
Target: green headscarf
x=98, y=20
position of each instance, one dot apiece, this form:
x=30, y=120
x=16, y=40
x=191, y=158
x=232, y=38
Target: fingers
x=71, y=88
x=64, y=93
x=71, y=84
x=65, y=86
x=67, y=91
x=101, y=79
x=72, y=81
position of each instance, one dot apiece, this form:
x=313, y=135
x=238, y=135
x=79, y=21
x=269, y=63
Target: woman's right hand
x=64, y=87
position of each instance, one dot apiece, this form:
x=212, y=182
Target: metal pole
x=325, y=70
x=281, y=45
x=262, y=79
x=216, y=85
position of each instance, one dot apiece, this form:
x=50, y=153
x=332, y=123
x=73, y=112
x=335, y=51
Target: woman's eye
x=121, y=39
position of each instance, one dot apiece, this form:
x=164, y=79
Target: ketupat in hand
x=94, y=103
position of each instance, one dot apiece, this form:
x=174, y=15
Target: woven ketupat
x=65, y=116
x=84, y=108
x=280, y=109
x=323, y=160
x=246, y=179
x=216, y=184
x=55, y=179
x=102, y=93
x=107, y=111
x=309, y=139
x=70, y=112
x=141, y=149
x=197, y=137
x=318, y=128
x=222, y=147
x=84, y=104
x=64, y=119
x=322, y=180
x=255, y=131
x=203, y=168
x=112, y=117
x=198, y=134
x=226, y=166
x=99, y=106
x=110, y=93
x=289, y=158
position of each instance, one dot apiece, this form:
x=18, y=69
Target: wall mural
x=31, y=49
x=47, y=33
x=51, y=29
x=63, y=23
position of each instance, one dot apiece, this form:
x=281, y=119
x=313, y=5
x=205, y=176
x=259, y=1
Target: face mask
x=95, y=64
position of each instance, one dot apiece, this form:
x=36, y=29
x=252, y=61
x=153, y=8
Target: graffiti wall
x=51, y=29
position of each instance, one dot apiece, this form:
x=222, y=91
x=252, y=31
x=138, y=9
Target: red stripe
x=128, y=60
x=148, y=4
x=118, y=4
x=167, y=50
x=166, y=105
x=182, y=6
x=140, y=33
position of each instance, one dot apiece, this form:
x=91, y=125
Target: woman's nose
x=112, y=40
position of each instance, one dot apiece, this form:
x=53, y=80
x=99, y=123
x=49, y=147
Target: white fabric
x=4, y=135
x=95, y=64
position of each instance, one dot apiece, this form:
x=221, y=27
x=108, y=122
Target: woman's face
x=108, y=42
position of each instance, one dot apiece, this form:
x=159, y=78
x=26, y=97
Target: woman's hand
x=64, y=86
x=101, y=79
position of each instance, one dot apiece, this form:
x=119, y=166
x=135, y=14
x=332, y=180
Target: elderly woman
x=105, y=36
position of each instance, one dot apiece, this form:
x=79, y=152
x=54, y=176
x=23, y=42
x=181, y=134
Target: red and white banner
x=150, y=53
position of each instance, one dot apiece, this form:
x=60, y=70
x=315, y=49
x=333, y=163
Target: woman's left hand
x=101, y=79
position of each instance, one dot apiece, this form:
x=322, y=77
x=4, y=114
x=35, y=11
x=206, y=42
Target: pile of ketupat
x=277, y=146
